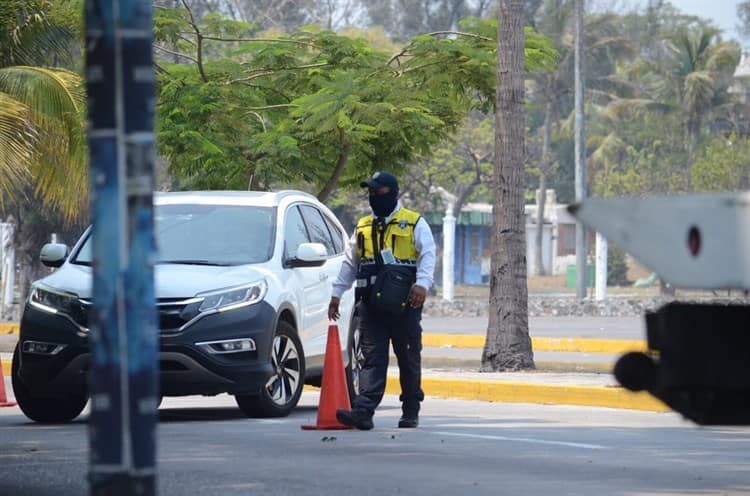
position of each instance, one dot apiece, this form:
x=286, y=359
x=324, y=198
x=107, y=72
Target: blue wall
x=472, y=242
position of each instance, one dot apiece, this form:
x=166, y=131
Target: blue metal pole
x=123, y=373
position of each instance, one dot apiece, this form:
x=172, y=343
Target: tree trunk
x=333, y=181
x=508, y=345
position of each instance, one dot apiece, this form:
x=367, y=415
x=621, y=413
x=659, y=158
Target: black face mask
x=383, y=205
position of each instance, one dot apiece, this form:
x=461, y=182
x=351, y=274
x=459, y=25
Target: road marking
x=523, y=440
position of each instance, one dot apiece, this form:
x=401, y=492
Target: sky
x=722, y=12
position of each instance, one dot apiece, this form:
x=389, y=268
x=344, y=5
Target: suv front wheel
x=44, y=409
x=283, y=389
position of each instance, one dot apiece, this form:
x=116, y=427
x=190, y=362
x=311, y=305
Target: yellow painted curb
x=583, y=345
x=586, y=345
x=453, y=340
x=513, y=392
x=9, y=328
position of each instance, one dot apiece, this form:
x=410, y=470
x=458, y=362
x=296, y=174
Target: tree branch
x=460, y=33
x=397, y=56
x=269, y=107
x=416, y=68
x=405, y=51
x=176, y=54
x=340, y=164
x=261, y=40
x=261, y=87
x=199, y=45
x=260, y=118
x=187, y=40
x=274, y=71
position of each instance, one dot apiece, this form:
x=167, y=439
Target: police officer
x=392, y=239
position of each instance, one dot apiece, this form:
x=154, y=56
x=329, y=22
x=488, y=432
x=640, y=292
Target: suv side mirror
x=54, y=254
x=309, y=255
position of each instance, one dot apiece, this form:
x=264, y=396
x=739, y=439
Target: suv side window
x=295, y=232
x=317, y=227
x=336, y=234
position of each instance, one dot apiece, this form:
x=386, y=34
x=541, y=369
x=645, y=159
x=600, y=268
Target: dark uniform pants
x=405, y=334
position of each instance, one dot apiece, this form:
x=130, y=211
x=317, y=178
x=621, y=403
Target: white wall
x=547, y=248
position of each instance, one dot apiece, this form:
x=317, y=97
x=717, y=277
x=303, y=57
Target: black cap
x=380, y=180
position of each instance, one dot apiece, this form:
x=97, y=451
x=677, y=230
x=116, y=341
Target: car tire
x=282, y=391
x=44, y=409
x=356, y=359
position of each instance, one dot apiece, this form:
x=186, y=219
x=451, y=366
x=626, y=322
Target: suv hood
x=170, y=280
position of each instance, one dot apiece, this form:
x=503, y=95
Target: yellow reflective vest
x=398, y=235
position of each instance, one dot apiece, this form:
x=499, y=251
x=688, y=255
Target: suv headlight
x=56, y=302
x=229, y=299
x=53, y=301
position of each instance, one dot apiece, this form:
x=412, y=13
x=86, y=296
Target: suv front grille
x=173, y=313
x=176, y=312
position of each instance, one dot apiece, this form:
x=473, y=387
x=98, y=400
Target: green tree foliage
x=313, y=106
x=41, y=107
x=645, y=156
x=724, y=165
x=664, y=104
x=617, y=267
x=461, y=166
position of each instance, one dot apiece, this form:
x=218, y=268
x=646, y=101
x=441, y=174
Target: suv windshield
x=208, y=235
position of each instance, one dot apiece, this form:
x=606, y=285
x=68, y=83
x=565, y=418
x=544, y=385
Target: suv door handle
x=323, y=276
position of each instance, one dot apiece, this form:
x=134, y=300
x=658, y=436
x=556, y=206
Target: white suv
x=242, y=280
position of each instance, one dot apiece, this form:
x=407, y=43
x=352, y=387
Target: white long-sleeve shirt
x=423, y=242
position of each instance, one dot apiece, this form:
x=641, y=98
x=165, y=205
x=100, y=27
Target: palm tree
x=508, y=345
x=42, y=137
x=699, y=72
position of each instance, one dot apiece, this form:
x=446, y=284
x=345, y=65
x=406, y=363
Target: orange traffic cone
x=333, y=391
x=3, y=398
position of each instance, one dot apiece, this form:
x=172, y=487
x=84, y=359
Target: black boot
x=409, y=419
x=408, y=422
x=355, y=418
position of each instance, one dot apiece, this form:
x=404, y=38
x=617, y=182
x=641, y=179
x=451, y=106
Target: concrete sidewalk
x=570, y=371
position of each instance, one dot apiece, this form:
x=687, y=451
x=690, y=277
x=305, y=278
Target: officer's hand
x=333, y=308
x=417, y=296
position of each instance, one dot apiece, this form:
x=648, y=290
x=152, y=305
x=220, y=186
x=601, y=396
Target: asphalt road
x=559, y=327
x=205, y=447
